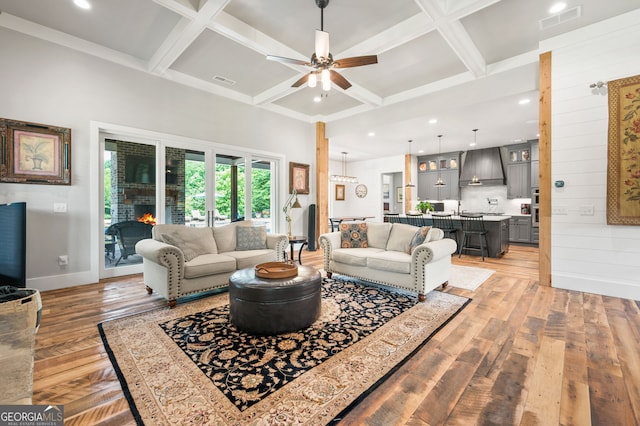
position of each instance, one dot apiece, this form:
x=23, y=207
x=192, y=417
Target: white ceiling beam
x=182, y=8
x=184, y=33
x=456, y=36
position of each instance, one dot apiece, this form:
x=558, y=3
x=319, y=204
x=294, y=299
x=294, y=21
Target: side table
x=298, y=239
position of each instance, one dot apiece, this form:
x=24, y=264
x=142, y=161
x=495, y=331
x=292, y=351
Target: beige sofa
x=181, y=260
x=387, y=260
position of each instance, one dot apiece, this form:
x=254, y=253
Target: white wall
x=587, y=254
x=46, y=83
x=368, y=173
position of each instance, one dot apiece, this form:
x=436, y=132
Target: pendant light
x=475, y=181
x=439, y=182
x=343, y=177
x=410, y=184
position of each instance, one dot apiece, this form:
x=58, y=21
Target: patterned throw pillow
x=353, y=235
x=418, y=238
x=251, y=238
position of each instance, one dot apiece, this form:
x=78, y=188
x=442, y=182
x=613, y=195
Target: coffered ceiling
x=466, y=63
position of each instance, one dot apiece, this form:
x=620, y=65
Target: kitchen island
x=497, y=227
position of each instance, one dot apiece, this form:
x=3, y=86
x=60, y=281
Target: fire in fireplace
x=147, y=218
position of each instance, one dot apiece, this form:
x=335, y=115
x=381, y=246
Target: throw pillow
x=251, y=238
x=418, y=238
x=188, y=252
x=353, y=235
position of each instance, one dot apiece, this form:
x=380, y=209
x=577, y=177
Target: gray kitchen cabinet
x=520, y=229
x=535, y=164
x=518, y=180
x=519, y=171
x=535, y=234
x=447, y=167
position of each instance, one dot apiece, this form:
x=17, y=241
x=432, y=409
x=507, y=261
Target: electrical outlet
x=559, y=210
x=586, y=210
x=63, y=260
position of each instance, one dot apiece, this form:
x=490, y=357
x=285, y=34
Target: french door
x=157, y=181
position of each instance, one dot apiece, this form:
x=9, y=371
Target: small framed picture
x=298, y=178
x=422, y=166
x=385, y=190
x=340, y=192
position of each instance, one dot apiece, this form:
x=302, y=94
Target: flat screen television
x=13, y=244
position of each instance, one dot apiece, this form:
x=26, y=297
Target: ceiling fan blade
x=301, y=81
x=356, y=61
x=339, y=80
x=322, y=44
x=287, y=60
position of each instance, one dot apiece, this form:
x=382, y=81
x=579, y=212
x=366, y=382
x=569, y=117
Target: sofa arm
x=328, y=242
x=279, y=243
x=434, y=250
x=431, y=252
x=162, y=253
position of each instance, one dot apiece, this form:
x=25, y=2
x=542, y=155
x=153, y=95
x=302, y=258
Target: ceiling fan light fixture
x=322, y=45
x=326, y=79
x=313, y=80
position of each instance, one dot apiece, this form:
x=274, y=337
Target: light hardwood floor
x=517, y=354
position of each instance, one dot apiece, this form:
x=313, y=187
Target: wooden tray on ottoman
x=276, y=270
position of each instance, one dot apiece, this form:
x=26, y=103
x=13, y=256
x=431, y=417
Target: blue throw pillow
x=418, y=238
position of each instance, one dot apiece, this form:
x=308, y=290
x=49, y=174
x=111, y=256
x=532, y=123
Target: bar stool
x=444, y=222
x=392, y=217
x=415, y=219
x=473, y=225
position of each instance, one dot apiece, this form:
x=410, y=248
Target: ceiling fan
x=322, y=61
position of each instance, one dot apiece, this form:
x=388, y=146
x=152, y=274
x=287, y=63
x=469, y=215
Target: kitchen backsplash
x=476, y=199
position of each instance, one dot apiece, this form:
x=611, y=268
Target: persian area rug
x=468, y=277
x=190, y=365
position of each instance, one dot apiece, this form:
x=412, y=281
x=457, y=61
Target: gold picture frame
x=34, y=153
x=298, y=178
x=340, y=191
x=623, y=168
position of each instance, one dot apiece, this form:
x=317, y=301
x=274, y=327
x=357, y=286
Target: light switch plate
x=59, y=207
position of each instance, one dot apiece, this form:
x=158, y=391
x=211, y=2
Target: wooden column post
x=545, y=170
x=322, y=179
x=408, y=191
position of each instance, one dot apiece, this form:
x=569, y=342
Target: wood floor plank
x=517, y=354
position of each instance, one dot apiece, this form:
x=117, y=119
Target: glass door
x=262, y=194
x=130, y=207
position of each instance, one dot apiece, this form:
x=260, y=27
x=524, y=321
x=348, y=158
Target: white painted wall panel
x=587, y=254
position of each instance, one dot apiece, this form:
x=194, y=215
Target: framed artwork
x=340, y=192
x=399, y=194
x=35, y=153
x=385, y=190
x=422, y=166
x=623, y=179
x=298, y=178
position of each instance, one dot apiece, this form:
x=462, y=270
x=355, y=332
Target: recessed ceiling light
x=371, y=134
x=558, y=7
x=83, y=4
x=472, y=144
x=317, y=98
x=524, y=101
x=433, y=121
x=421, y=151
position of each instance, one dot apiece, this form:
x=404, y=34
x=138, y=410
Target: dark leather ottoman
x=274, y=306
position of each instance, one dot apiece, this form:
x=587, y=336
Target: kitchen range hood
x=486, y=164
